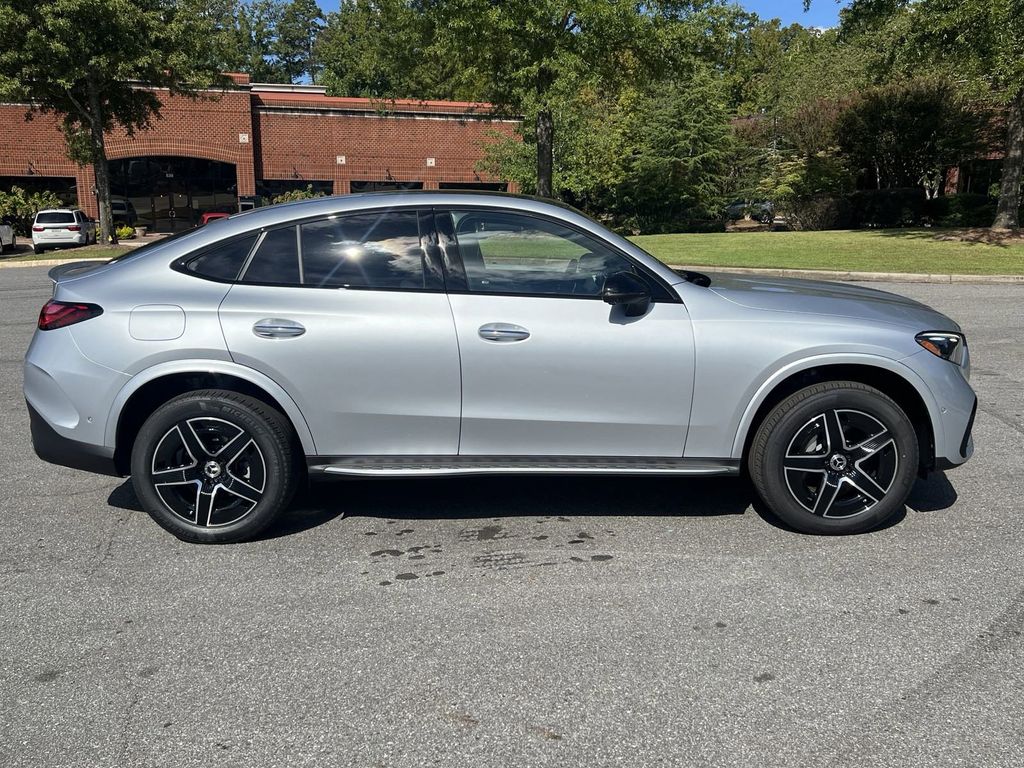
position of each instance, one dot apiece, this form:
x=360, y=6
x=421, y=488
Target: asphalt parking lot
x=519, y=621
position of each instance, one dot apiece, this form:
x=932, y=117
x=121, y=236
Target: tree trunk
x=99, y=164
x=1007, y=211
x=545, y=151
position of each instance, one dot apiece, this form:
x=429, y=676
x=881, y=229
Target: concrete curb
x=41, y=263
x=810, y=274
x=862, y=277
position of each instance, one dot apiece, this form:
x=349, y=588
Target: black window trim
x=430, y=233
x=670, y=296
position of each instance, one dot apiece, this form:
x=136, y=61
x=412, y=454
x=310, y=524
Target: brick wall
x=275, y=136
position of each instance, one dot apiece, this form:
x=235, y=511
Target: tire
x=36, y=250
x=214, y=467
x=835, y=458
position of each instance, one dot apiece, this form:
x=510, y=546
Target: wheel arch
x=888, y=376
x=146, y=391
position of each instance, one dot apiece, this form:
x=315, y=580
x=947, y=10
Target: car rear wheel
x=37, y=249
x=214, y=467
x=835, y=458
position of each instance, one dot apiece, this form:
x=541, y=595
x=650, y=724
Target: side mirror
x=630, y=291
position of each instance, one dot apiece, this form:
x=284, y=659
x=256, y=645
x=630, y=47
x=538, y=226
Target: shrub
x=124, y=232
x=964, y=210
x=296, y=194
x=885, y=208
x=20, y=207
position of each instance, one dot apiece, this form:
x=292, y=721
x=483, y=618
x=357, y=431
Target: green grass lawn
x=860, y=251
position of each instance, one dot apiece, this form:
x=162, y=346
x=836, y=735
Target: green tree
x=978, y=40
x=294, y=45
x=82, y=60
x=525, y=52
x=907, y=134
x=385, y=49
x=251, y=37
x=651, y=159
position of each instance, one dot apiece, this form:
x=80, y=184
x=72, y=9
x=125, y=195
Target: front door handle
x=278, y=328
x=503, y=332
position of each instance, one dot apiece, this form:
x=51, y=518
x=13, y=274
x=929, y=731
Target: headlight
x=945, y=344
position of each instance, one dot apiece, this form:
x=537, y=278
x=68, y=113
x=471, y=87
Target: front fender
x=773, y=378
x=226, y=367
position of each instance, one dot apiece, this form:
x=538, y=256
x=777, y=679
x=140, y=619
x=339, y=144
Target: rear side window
x=223, y=262
x=55, y=218
x=380, y=250
x=276, y=261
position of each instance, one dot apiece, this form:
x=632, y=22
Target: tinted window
x=371, y=250
x=55, y=218
x=225, y=261
x=276, y=260
x=515, y=253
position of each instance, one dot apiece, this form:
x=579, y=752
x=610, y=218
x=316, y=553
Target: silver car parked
x=411, y=334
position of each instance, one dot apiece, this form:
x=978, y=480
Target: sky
x=823, y=13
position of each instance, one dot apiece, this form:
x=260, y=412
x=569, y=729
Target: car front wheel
x=214, y=466
x=835, y=458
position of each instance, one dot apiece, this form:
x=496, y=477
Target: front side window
x=375, y=250
x=521, y=254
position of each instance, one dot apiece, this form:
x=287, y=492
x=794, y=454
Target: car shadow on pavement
x=462, y=498
x=932, y=494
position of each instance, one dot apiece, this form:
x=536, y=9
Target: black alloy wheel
x=837, y=457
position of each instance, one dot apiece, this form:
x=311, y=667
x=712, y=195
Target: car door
x=348, y=314
x=549, y=368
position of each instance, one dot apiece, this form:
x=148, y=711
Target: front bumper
x=57, y=449
x=966, y=444
x=952, y=407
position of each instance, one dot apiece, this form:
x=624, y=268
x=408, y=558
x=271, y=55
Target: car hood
x=816, y=297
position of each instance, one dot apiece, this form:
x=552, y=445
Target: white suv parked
x=60, y=227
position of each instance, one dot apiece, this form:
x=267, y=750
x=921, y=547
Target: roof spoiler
x=74, y=269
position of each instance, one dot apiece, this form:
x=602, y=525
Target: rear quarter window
x=222, y=262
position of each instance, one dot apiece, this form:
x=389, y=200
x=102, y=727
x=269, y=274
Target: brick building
x=238, y=148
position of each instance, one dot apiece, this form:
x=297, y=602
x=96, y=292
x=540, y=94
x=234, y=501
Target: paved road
x=523, y=621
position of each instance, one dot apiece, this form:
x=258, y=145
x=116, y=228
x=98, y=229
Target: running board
x=423, y=466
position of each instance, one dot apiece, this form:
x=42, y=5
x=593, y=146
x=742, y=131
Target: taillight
x=38, y=229
x=75, y=228
x=58, y=314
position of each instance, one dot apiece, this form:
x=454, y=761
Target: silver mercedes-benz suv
x=412, y=334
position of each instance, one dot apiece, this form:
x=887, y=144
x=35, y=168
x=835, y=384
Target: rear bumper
x=57, y=449
x=60, y=242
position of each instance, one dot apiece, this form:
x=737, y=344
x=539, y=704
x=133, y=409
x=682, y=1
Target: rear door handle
x=278, y=328
x=503, y=332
